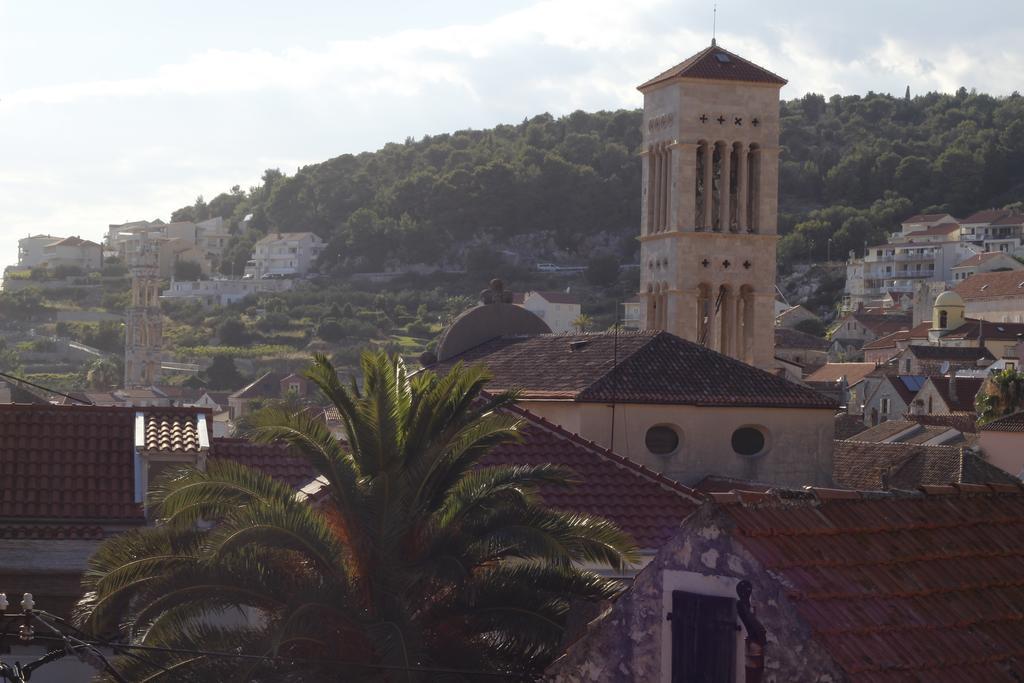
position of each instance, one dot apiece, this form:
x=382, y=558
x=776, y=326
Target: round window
x=661, y=440
x=748, y=441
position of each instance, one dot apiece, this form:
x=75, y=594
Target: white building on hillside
x=213, y=293
x=557, y=309
x=47, y=251
x=286, y=253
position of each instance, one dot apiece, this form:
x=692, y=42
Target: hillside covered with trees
x=851, y=168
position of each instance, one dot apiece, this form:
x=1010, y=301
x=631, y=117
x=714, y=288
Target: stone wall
x=632, y=641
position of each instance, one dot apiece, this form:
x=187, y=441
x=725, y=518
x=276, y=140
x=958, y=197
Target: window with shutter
x=703, y=638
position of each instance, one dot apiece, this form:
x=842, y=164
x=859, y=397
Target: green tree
x=602, y=270
x=1001, y=394
x=813, y=326
x=233, y=332
x=187, y=271
x=223, y=374
x=104, y=374
x=417, y=557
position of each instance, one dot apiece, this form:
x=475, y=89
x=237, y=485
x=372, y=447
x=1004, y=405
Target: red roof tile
x=966, y=389
x=889, y=341
x=874, y=466
x=651, y=367
x=274, y=460
x=559, y=297
x=979, y=259
x=899, y=587
x=715, y=63
x=831, y=372
x=972, y=329
x=883, y=324
x=788, y=338
x=68, y=463
x=173, y=430
x=925, y=217
x=1010, y=423
x=994, y=284
x=644, y=504
x=943, y=229
x=986, y=216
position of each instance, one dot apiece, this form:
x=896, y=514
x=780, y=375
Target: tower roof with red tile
x=630, y=367
x=716, y=64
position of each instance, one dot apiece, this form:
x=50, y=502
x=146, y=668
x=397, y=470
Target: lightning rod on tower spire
x=714, y=23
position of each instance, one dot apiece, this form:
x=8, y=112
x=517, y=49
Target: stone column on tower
x=741, y=187
x=684, y=185
x=725, y=188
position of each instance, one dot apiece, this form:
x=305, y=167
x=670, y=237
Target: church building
x=710, y=204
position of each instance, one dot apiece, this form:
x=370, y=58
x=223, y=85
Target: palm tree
x=582, y=322
x=1001, y=394
x=416, y=559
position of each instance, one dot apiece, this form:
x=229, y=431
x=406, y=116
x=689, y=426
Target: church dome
x=948, y=299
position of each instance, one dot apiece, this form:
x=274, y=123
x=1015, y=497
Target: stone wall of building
x=632, y=641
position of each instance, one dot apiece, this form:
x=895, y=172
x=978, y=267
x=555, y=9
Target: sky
x=112, y=110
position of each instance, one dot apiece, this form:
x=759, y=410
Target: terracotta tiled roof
x=957, y=353
x=1010, y=219
x=644, y=504
x=966, y=389
x=832, y=372
x=925, y=217
x=53, y=532
x=883, y=324
x=173, y=430
x=1010, y=423
x=68, y=463
x=788, y=338
x=989, y=285
x=889, y=341
x=846, y=425
x=965, y=422
x=943, y=229
x=875, y=466
x=274, y=460
x=74, y=241
x=883, y=431
x=898, y=587
x=714, y=63
x=560, y=297
x=653, y=367
x=716, y=484
x=979, y=259
x=986, y=216
x=972, y=329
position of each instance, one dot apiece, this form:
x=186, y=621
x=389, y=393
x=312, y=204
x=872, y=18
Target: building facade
x=286, y=254
x=710, y=204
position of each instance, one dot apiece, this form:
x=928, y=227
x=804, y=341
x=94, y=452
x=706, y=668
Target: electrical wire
x=20, y=380
x=117, y=647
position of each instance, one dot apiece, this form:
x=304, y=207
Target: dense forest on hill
x=851, y=168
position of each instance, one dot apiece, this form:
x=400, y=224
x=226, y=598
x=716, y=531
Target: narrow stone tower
x=143, y=338
x=710, y=204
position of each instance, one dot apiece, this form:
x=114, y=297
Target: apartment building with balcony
x=929, y=248
x=284, y=254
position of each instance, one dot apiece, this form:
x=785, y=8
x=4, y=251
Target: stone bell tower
x=710, y=204
x=143, y=338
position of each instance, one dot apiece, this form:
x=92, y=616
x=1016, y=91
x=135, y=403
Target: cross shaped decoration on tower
x=705, y=263
x=720, y=119
x=756, y=122
x=746, y=264
x=738, y=121
x=726, y=264
x=703, y=118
